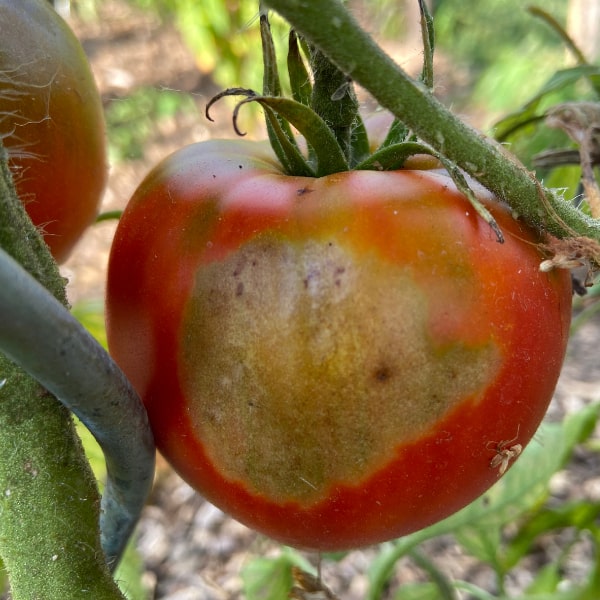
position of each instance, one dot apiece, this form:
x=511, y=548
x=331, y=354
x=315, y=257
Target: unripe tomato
x=334, y=361
x=51, y=122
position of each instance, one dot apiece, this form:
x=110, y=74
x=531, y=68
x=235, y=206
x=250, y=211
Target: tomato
x=334, y=361
x=51, y=122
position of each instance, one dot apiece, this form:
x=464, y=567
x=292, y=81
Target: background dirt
x=191, y=551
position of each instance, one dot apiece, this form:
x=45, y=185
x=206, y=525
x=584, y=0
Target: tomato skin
x=260, y=316
x=51, y=122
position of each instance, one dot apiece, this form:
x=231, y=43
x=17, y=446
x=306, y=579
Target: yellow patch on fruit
x=306, y=366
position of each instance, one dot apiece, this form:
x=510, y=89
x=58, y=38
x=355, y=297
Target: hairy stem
x=330, y=27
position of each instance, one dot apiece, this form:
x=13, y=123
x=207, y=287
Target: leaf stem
x=331, y=28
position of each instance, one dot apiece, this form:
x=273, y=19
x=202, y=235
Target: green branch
x=49, y=501
x=330, y=27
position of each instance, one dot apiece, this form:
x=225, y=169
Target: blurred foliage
x=502, y=52
x=129, y=574
x=223, y=35
x=133, y=120
x=90, y=313
x=527, y=134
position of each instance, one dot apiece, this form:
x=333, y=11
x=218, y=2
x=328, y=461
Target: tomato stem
x=329, y=26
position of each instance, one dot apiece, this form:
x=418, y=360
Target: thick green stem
x=49, y=502
x=330, y=27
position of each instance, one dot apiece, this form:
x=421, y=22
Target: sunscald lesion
x=320, y=369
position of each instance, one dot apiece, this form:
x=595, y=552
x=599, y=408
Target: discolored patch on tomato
x=305, y=367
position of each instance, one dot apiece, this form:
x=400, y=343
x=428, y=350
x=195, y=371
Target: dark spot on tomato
x=337, y=273
x=312, y=274
x=240, y=166
x=302, y=191
x=238, y=269
x=382, y=374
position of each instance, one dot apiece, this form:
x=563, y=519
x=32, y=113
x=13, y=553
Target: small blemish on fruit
x=304, y=190
x=382, y=374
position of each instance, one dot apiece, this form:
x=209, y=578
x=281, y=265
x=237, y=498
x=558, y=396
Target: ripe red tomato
x=51, y=122
x=335, y=361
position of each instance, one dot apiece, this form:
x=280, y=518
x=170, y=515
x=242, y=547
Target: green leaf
x=278, y=129
x=286, y=150
x=442, y=584
x=474, y=591
x=359, y=142
x=546, y=579
x=271, y=82
x=298, y=73
x=397, y=134
x=334, y=99
x=329, y=156
x=527, y=114
x=419, y=591
x=580, y=514
x=271, y=578
x=129, y=574
x=390, y=158
x=484, y=543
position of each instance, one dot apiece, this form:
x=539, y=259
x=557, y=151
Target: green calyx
x=324, y=109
